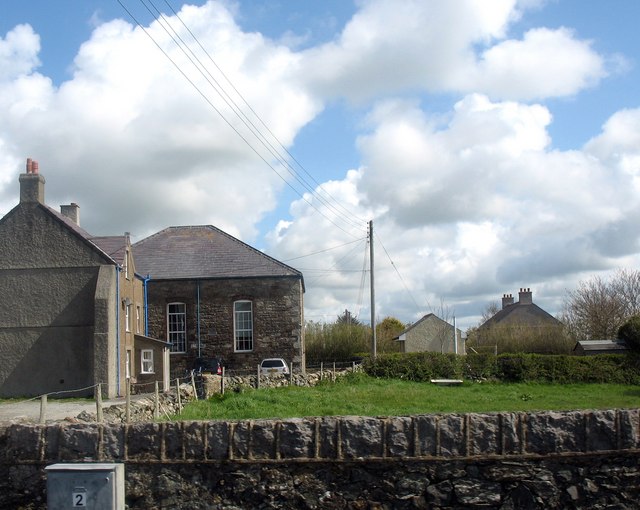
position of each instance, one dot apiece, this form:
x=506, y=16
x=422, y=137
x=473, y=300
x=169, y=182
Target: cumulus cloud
x=482, y=203
x=128, y=121
x=467, y=203
x=411, y=45
x=19, y=52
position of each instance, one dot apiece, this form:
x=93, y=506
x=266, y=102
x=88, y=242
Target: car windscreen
x=272, y=363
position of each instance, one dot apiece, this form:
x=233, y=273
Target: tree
x=347, y=318
x=629, y=332
x=598, y=307
x=386, y=331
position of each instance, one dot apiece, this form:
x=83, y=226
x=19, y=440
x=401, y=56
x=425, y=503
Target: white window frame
x=177, y=335
x=146, y=361
x=242, y=326
x=138, y=316
x=127, y=318
x=127, y=366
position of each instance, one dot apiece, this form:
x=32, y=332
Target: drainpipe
x=118, y=269
x=198, y=317
x=145, y=281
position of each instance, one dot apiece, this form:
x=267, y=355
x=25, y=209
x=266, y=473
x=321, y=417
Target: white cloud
x=545, y=63
x=19, y=52
x=128, y=131
x=457, y=45
x=469, y=203
x=484, y=206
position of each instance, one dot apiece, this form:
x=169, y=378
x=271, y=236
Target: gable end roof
x=204, y=251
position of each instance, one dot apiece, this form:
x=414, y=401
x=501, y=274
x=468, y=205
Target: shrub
x=603, y=368
x=629, y=332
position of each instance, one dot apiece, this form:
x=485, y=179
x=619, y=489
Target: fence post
x=321, y=370
x=127, y=400
x=258, y=378
x=290, y=372
x=222, y=382
x=43, y=409
x=334, y=371
x=99, y=403
x=179, y=398
x=156, y=408
x=193, y=385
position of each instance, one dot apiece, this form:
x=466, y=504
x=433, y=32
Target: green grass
x=383, y=397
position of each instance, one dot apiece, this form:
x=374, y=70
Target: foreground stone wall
x=506, y=460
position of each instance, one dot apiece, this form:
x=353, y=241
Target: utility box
x=97, y=486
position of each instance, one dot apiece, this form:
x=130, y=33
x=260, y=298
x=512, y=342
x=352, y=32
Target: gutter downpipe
x=145, y=281
x=118, y=270
x=198, y=317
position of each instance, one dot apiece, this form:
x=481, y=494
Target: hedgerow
x=424, y=366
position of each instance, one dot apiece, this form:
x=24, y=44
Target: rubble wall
x=579, y=459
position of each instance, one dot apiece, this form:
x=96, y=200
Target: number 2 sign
x=79, y=496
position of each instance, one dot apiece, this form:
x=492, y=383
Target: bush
x=603, y=368
x=629, y=333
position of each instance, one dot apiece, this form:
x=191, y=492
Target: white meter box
x=97, y=486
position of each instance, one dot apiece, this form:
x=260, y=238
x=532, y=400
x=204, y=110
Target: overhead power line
x=328, y=201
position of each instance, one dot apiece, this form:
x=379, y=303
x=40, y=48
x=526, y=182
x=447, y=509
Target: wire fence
x=169, y=399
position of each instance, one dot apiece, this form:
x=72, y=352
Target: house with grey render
x=212, y=295
x=522, y=326
x=74, y=305
x=431, y=334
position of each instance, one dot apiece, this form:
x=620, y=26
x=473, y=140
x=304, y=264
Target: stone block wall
x=277, y=319
x=580, y=459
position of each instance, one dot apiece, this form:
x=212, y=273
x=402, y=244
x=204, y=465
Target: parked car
x=208, y=366
x=273, y=366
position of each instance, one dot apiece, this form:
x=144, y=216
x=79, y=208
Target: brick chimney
x=71, y=211
x=31, y=184
x=525, y=297
x=507, y=299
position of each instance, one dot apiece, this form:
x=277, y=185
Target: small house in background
x=431, y=334
x=592, y=347
x=523, y=313
x=523, y=326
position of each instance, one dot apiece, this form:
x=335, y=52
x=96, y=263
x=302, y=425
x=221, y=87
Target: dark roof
x=114, y=246
x=411, y=326
x=203, y=251
x=519, y=314
x=601, y=345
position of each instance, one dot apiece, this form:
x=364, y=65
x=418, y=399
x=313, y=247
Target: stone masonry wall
x=276, y=304
x=580, y=459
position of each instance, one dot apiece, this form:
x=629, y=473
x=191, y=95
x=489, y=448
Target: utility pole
x=373, y=294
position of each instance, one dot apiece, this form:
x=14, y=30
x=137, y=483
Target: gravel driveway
x=57, y=410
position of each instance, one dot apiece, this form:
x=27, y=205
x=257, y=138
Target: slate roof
x=601, y=345
x=420, y=321
x=114, y=246
x=521, y=314
x=203, y=251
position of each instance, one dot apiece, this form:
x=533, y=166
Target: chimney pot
x=31, y=184
x=507, y=300
x=525, y=297
x=71, y=211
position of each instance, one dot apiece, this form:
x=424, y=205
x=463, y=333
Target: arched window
x=243, y=326
x=177, y=326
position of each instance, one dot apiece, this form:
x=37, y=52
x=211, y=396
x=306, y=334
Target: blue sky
x=493, y=143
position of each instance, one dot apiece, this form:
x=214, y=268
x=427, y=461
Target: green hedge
x=424, y=366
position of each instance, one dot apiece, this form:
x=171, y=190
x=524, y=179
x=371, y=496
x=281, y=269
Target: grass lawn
x=365, y=396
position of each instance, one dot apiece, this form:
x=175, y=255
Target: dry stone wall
x=581, y=459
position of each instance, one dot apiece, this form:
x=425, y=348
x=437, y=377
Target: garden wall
x=580, y=459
